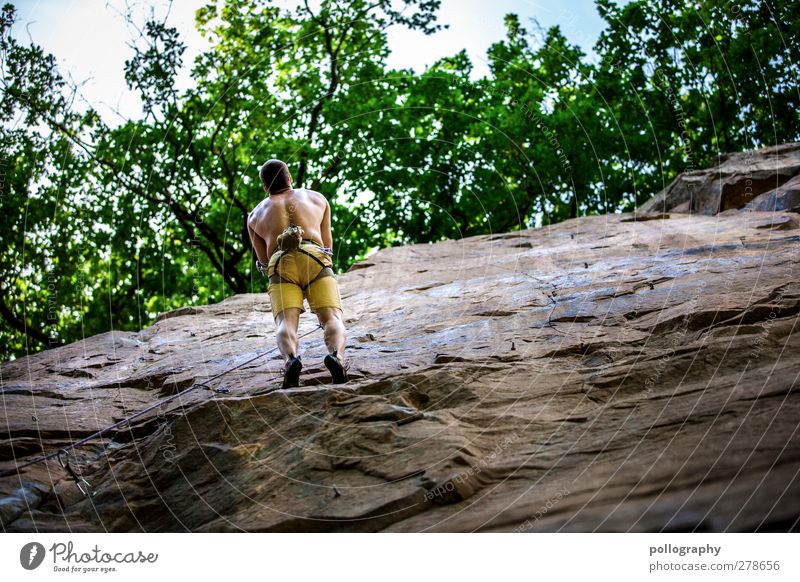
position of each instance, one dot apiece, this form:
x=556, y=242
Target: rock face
x=603, y=374
x=783, y=198
x=753, y=179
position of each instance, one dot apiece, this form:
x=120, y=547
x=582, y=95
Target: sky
x=91, y=39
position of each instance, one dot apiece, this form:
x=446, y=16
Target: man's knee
x=288, y=318
x=328, y=315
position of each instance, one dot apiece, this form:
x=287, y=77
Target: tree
x=105, y=226
x=685, y=84
x=152, y=214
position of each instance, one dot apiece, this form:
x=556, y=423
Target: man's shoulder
x=260, y=208
x=314, y=195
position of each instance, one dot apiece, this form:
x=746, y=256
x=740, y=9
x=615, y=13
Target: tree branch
x=21, y=325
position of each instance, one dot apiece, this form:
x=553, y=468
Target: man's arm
x=259, y=244
x=325, y=227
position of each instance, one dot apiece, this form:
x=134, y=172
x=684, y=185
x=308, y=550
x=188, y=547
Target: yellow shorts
x=297, y=270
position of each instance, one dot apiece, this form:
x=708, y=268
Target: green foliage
x=103, y=227
x=686, y=83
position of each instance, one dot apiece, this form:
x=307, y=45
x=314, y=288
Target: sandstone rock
x=783, y=198
x=601, y=374
x=736, y=181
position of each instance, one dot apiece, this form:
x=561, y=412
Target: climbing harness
x=287, y=235
x=63, y=454
x=291, y=240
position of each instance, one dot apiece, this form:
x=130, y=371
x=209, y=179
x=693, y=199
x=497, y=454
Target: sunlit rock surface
x=602, y=374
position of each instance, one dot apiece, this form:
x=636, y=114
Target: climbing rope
x=63, y=453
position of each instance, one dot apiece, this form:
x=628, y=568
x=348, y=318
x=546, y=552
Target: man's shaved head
x=275, y=176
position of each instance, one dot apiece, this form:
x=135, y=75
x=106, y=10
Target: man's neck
x=289, y=189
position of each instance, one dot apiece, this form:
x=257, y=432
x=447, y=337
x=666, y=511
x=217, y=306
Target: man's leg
x=325, y=301
x=330, y=318
x=287, y=305
x=288, y=321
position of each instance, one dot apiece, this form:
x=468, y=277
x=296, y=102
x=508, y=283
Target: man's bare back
x=306, y=208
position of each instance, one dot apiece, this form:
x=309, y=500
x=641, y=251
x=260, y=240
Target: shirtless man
x=299, y=273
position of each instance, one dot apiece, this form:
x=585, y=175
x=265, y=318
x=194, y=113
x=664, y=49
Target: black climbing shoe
x=338, y=373
x=291, y=374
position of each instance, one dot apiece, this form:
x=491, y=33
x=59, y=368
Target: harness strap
x=277, y=262
x=302, y=250
x=325, y=272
